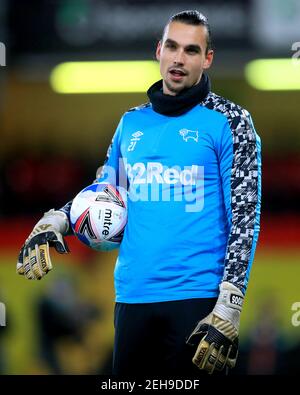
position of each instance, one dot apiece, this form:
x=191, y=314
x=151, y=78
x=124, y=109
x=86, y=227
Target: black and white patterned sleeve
x=240, y=171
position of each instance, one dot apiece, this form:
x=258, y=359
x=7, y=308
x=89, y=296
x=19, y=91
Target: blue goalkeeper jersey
x=194, y=184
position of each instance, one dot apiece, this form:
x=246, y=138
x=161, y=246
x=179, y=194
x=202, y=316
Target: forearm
x=243, y=202
x=241, y=245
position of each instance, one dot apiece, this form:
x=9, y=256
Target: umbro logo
x=189, y=135
x=136, y=136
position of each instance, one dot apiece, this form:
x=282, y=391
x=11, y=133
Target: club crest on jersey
x=136, y=136
x=189, y=135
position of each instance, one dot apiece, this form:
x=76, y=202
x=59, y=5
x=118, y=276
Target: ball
x=99, y=216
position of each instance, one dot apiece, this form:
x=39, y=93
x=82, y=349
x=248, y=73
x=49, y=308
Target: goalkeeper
x=183, y=268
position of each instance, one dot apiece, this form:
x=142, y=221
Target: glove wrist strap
x=57, y=219
x=229, y=304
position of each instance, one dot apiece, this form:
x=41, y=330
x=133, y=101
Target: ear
x=158, y=51
x=208, y=59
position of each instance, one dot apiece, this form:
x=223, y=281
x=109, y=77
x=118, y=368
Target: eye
x=170, y=46
x=192, y=51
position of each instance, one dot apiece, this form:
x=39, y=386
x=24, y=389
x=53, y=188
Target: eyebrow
x=194, y=47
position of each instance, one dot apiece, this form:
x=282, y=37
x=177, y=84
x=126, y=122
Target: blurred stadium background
x=52, y=143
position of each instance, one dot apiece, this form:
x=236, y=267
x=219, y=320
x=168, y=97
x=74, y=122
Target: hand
x=34, y=259
x=217, y=334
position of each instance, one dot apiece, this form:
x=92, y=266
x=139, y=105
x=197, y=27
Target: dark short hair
x=196, y=18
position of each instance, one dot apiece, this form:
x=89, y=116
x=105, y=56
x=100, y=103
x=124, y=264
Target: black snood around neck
x=179, y=104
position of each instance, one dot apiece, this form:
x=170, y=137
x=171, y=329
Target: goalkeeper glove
x=34, y=258
x=217, y=334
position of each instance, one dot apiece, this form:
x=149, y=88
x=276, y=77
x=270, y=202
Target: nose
x=179, y=57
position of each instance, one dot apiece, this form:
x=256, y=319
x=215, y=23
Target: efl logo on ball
x=99, y=216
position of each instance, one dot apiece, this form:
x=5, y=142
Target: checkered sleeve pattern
x=244, y=190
